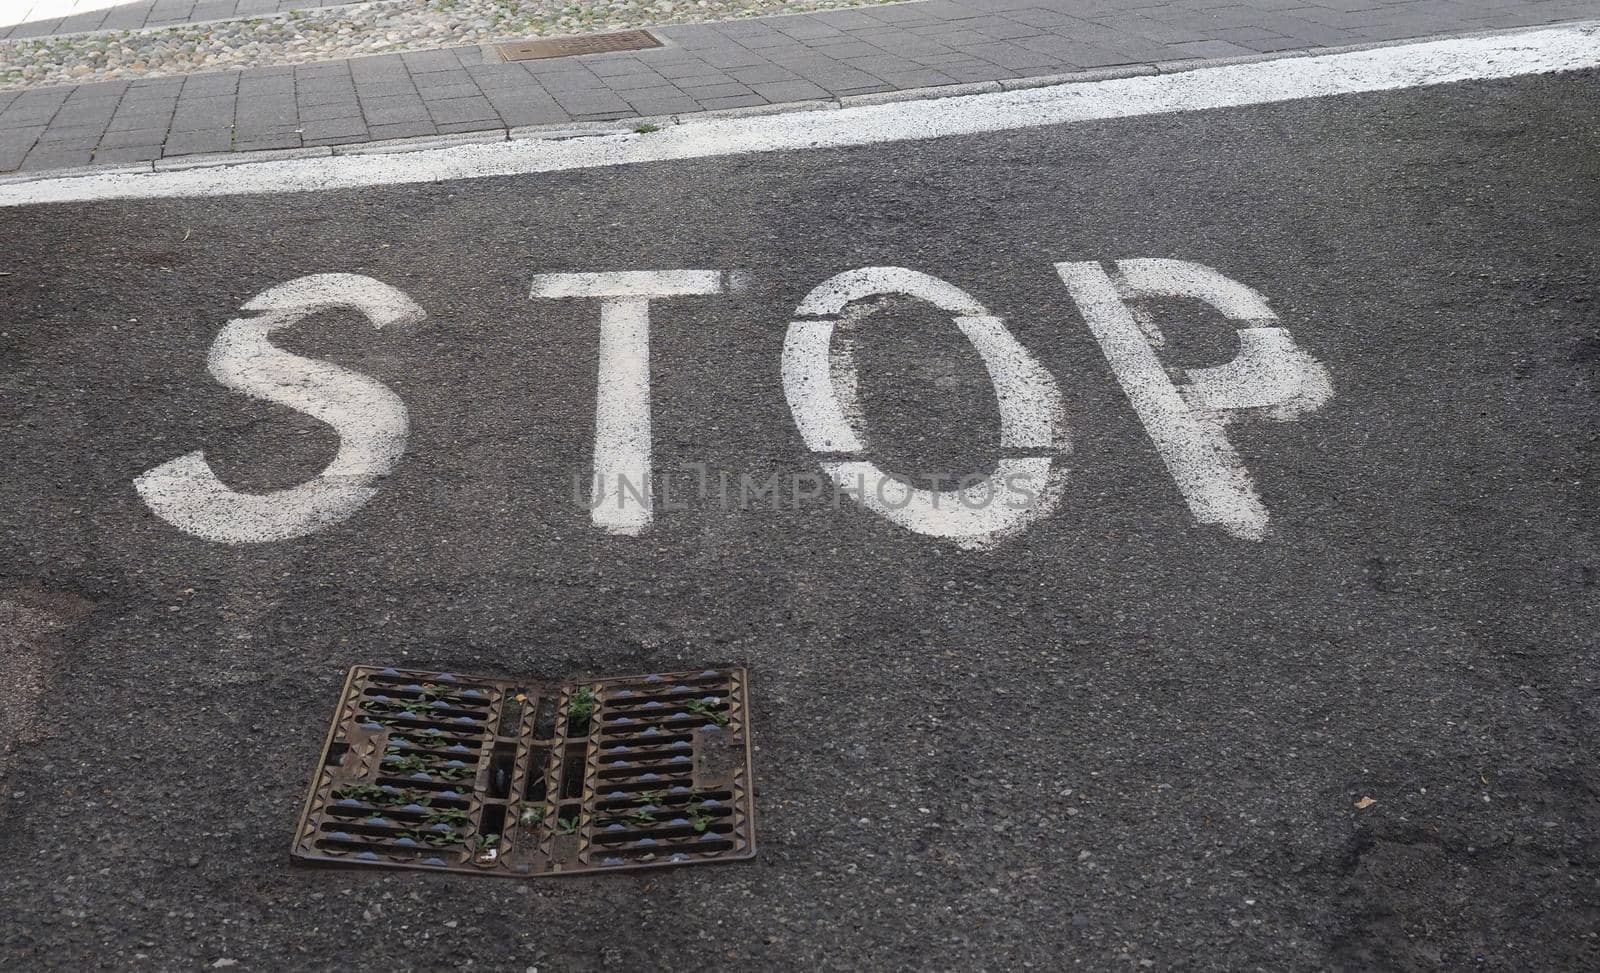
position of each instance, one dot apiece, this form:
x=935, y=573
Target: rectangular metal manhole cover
x=456, y=773
x=627, y=40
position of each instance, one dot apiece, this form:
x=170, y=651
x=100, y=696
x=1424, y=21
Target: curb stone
x=922, y=94
x=211, y=159
x=421, y=143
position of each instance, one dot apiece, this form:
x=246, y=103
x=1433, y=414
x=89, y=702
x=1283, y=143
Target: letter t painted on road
x=622, y=500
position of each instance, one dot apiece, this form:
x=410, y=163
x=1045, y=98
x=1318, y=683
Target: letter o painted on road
x=821, y=386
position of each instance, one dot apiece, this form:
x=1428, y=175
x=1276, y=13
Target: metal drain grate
x=437, y=771
x=626, y=40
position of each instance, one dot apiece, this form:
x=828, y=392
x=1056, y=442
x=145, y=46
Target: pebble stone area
x=304, y=35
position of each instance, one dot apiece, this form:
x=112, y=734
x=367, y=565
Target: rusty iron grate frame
x=453, y=773
x=625, y=40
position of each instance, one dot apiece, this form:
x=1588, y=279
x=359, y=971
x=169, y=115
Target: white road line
x=1566, y=48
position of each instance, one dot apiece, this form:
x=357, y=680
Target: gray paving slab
x=704, y=67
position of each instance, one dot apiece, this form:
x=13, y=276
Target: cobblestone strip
x=43, y=18
x=704, y=67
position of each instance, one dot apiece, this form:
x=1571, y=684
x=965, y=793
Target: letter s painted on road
x=370, y=419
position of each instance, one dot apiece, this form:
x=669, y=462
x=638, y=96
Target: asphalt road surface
x=1118, y=738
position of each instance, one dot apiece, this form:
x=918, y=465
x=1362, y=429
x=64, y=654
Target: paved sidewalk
x=38, y=18
x=704, y=67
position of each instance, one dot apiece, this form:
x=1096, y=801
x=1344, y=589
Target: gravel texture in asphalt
x=1119, y=739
